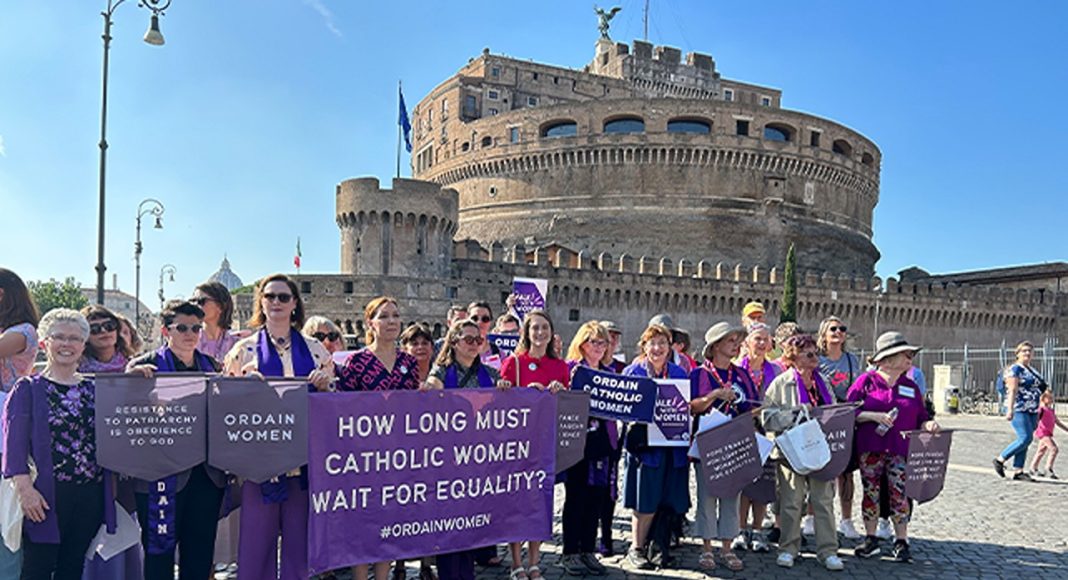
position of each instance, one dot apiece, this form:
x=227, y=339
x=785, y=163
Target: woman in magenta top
x=534, y=364
x=880, y=444
x=380, y=366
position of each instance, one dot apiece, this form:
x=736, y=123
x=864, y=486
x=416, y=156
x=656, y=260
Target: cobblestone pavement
x=981, y=526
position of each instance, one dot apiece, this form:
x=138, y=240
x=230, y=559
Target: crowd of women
x=747, y=369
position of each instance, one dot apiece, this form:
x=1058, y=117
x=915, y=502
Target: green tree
x=788, y=304
x=53, y=294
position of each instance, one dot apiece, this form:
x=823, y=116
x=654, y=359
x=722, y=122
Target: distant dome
x=226, y=276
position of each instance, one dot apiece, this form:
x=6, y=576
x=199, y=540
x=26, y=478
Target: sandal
x=707, y=561
x=734, y=564
x=534, y=572
x=519, y=573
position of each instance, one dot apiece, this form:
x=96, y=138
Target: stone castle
x=644, y=184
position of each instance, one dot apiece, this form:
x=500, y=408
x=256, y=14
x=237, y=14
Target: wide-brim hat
x=721, y=330
x=611, y=327
x=664, y=320
x=891, y=343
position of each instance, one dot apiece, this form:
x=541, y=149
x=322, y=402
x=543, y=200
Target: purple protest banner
x=397, y=475
x=506, y=343
x=150, y=428
x=258, y=429
x=529, y=294
x=616, y=397
x=730, y=456
x=763, y=489
x=572, y=424
x=925, y=470
x=837, y=423
x=671, y=415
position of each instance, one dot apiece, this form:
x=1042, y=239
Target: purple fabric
x=527, y=297
x=162, y=503
x=925, y=470
x=117, y=364
x=362, y=371
x=703, y=380
x=871, y=390
x=452, y=381
x=826, y=398
x=217, y=349
x=769, y=371
x=165, y=361
x=270, y=365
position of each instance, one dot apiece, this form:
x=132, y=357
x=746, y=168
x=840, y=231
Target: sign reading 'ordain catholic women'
x=616, y=397
x=401, y=474
x=150, y=428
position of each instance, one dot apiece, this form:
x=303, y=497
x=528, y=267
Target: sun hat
x=891, y=343
x=721, y=330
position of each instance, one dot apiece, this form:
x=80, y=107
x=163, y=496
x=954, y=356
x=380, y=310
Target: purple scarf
x=485, y=381
x=766, y=378
x=820, y=387
x=270, y=365
x=161, y=498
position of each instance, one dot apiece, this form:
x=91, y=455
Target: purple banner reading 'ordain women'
x=837, y=422
x=402, y=474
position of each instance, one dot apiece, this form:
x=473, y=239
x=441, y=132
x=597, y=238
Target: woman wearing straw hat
x=891, y=404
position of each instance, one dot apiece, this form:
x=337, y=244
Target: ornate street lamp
x=155, y=208
x=166, y=270
x=153, y=37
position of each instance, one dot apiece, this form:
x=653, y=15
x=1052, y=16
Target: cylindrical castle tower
x=406, y=231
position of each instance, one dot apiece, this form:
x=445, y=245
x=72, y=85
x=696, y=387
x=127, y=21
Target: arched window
x=625, y=125
x=487, y=141
x=867, y=159
x=778, y=132
x=842, y=147
x=465, y=146
x=559, y=129
x=699, y=126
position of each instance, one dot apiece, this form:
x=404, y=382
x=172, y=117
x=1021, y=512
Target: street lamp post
x=155, y=208
x=169, y=270
x=153, y=37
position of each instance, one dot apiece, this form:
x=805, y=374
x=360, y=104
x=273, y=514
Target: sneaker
x=845, y=527
x=1021, y=476
x=593, y=564
x=774, y=534
x=867, y=548
x=1052, y=475
x=808, y=526
x=741, y=542
x=572, y=564
x=759, y=544
x=769, y=521
x=638, y=560
x=999, y=467
x=833, y=563
x=884, y=531
x=785, y=559
x=901, y=551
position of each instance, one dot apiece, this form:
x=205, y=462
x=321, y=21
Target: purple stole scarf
x=161, y=498
x=821, y=387
x=766, y=378
x=270, y=365
x=452, y=381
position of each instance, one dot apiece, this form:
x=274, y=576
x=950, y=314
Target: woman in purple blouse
x=49, y=420
x=105, y=349
x=891, y=404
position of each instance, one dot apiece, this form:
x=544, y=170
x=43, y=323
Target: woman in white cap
x=891, y=404
x=721, y=385
x=800, y=386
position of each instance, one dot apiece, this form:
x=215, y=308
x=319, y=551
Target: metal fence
x=981, y=366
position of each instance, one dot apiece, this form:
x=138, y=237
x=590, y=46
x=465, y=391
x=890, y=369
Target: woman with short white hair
x=49, y=419
x=325, y=331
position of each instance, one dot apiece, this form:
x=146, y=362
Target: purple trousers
x=261, y=524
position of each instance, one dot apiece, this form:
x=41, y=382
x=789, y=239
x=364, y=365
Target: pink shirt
x=1047, y=419
x=542, y=370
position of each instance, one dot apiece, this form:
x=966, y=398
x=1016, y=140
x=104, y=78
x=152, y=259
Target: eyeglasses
x=184, y=328
x=481, y=319
x=472, y=340
x=331, y=336
x=842, y=328
x=102, y=327
x=283, y=298
x=597, y=342
x=64, y=338
x=810, y=354
x=202, y=300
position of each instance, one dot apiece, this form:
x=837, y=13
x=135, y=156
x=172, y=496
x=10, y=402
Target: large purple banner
x=402, y=474
x=837, y=422
x=925, y=472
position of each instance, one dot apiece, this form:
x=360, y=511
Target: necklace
x=74, y=379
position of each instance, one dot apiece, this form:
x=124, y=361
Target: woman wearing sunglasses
x=105, y=347
x=216, y=339
x=891, y=404
x=839, y=369
x=280, y=506
x=326, y=332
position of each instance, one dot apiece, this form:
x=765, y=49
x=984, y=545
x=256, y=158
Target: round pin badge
x=532, y=366
x=403, y=369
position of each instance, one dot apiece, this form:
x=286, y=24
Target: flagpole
x=400, y=129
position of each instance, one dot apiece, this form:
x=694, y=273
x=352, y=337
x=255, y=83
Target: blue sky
x=245, y=121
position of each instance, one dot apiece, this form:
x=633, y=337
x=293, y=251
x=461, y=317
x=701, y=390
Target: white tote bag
x=804, y=445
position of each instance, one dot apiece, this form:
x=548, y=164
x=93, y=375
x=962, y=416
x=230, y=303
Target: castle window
x=560, y=129
x=765, y=101
x=534, y=76
x=349, y=287
x=842, y=147
x=625, y=125
x=513, y=134
x=778, y=132
x=465, y=147
x=728, y=94
x=573, y=315
x=814, y=138
x=493, y=95
x=532, y=101
x=689, y=126
x=487, y=141
x=493, y=111
x=741, y=127
x=867, y=159
x=556, y=80
x=305, y=287
x=495, y=72
x=444, y=110
x=470, y=107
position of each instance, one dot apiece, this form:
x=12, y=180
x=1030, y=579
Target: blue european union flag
x=405, y=125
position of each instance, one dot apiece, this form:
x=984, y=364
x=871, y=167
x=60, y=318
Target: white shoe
x=741, y=542
x=769, y=521
x=885, y=531
x=785, y=559
x=845, y=527
x=808, y=526
x=833, y=563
